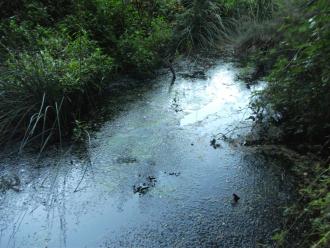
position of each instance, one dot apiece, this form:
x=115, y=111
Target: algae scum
x=152, y=176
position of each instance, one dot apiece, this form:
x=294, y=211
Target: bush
x=53, y=58
x=308, y=220
x=44, y=92
x=299, y=83
x=297, y=99
x=140, y=50
x=135, y=32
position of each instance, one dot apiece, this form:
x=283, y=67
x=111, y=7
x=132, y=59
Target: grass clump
x=201, y=25
x=43, y=92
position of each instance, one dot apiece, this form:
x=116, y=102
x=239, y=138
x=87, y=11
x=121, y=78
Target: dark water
x=86, y=198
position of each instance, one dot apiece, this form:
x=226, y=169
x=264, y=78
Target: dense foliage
x=308, y=220
x=38, y=85
x=299, y=83
x=57, y=56
x=292, y=50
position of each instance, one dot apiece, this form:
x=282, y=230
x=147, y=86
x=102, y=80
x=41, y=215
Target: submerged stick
x=168, y=63
x=173, y=73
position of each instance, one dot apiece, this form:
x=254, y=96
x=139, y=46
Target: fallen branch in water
x=168, y=63
x=173, y=73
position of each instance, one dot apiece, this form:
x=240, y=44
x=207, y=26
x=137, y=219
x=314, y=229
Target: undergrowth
x=58, y=56
x=291, y=51
x=308, y=220
x=43, y=92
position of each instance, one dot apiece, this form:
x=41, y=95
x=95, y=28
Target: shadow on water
x=149, y=177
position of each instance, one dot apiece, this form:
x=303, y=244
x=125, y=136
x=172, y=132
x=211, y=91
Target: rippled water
x=86, y=198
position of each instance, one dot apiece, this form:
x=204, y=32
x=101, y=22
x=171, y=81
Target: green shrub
x=140, y=50
x=44, y=92
x=298, y=92
x=299, y=83
x=308, y=220
x=134, y=32
x=53, y=58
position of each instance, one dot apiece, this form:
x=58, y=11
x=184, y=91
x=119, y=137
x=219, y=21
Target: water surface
x=85, y=198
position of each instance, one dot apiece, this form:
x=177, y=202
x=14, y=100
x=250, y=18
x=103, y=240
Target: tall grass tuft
x=43, y=92
x=201, y=26
x=256, y=23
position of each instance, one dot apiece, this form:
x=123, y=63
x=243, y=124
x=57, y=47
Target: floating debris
x=174, y=174
x=236, y=198
x=126, y=160
x=214, y=144
x=141, y=189
x=11, y=181
x=152, y=178
x=198, y=74
x=176, y=106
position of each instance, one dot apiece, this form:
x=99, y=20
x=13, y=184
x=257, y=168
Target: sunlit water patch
x=221, y=90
